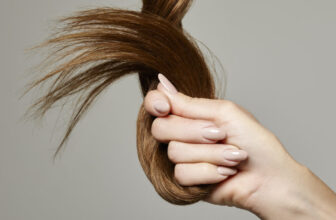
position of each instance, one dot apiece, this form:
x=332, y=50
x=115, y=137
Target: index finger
x=190, y=107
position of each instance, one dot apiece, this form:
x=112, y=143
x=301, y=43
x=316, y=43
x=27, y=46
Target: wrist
x=295, y=193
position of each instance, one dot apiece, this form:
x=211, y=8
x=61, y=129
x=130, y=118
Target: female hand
x=201, y=132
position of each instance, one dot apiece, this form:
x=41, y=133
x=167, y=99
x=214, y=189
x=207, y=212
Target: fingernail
x=167, y=84
x=226, y=171
x=212, y=133
x=161, y=106
x=235, y=155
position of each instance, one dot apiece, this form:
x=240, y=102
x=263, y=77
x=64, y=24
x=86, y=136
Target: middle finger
x=176, y=128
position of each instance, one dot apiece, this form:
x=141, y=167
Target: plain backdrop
x=279, y=58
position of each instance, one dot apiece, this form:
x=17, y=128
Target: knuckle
x=174, y=153
x=183, y=108
x=228, y=106
x=180, y=174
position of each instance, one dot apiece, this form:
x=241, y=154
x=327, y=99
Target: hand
x=270, y=183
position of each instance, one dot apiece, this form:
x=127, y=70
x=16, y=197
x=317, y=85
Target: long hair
x=96, y=47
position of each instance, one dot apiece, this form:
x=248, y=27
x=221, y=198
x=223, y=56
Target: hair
x=96, y=47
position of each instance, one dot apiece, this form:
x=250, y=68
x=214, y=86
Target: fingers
x=194, y=108
x=219, y=154
x=201, y=173
x=166, y=99
x=203, y=163
x=156, y=103
x=188, y=125
x=176, y=128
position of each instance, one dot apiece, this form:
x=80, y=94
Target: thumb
x=189, y=107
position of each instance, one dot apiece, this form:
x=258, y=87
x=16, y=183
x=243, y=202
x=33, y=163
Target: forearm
x=301, y=195
x=316, y=199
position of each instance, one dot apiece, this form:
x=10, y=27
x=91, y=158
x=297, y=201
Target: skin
x=264, y=179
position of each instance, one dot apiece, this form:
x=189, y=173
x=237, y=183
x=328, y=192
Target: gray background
x=279, y=57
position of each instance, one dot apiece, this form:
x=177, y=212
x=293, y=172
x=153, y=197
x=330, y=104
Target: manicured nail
x=167, y=84
x=161, y=106
x=235, y=155
x=226, y=171
x=212, y=133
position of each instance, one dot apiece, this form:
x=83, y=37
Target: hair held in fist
x=93, y=48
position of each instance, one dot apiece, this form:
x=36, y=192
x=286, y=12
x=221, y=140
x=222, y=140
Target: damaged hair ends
x=95, y=47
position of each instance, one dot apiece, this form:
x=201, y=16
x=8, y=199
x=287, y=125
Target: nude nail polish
x=212, y=133
x=235, y=155
x=226, y=171
x=167, y=84
x=161, y=106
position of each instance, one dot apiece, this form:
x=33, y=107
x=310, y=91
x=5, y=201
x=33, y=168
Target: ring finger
x=219, y=154
x=189, y=174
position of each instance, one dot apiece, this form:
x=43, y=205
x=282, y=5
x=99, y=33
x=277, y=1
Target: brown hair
x=95, y=47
